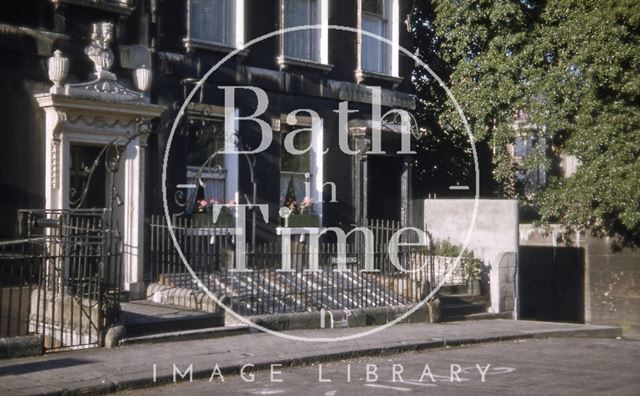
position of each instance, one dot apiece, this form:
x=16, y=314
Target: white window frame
x=231, y=161
x=323, y=45
x=392, y=10
x=233, y=28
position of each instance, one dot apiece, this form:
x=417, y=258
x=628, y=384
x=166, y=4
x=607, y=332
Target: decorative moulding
x=104, y=86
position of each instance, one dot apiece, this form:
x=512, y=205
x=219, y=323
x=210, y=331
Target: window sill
x=190, y=44
x=362, y=75
x=209, y=173
x=119, y=7
x=285, y=61
x=298, y=230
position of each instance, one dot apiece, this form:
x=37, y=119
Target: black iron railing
x=265, y=288
x=63, y=281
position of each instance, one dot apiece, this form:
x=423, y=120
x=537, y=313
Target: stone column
x=133, y=238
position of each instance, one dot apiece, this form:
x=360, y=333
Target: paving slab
x=135, y=366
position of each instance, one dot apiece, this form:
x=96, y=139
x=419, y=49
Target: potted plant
x=471, y=268
x=203, y=215
x=301, y=215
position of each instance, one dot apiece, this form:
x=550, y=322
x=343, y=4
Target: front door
x=87, y=178
x=551, y=283
x=384, y=187
x=90, y=184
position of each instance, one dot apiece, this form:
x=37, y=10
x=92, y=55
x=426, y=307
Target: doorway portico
x=74, y=121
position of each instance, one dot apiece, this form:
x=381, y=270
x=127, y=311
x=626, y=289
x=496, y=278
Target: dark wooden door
x=551, y=283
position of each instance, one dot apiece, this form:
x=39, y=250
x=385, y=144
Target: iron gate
x=62, y=280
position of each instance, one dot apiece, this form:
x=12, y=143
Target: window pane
x=373, y=6
x=204, y=141
x=374, y=51
x=292, y=187
x=209, y=188
x=212, y=20
x=299, y=162
x=302, y=44
x=293, y=168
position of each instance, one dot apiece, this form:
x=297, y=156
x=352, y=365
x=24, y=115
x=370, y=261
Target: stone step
x=197, y=334
x=452, y=289
x=448, y=311
x=462, y=298
x=144, y=317
x=481, y=316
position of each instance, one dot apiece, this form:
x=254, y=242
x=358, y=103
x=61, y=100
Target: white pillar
x=133, y=227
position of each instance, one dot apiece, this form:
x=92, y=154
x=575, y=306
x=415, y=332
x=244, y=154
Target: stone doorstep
x=181, y=297
x=21, y=346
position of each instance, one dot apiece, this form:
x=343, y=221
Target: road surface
x=534, y=366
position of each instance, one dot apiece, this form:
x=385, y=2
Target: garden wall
x=493, y=238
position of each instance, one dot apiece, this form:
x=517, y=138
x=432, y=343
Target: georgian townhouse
x=124, y=63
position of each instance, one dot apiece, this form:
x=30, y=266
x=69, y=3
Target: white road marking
x=418, y=383
x=266, y=391
x=397, y=388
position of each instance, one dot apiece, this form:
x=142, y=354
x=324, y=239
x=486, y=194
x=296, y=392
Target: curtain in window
x=293, y=167
x=212, y=20
x=213, y=188
x=301, y=44
x=297, y=180
x=374, y=52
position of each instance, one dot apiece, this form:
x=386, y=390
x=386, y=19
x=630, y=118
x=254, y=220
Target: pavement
x=550, y=366
x=145, y=365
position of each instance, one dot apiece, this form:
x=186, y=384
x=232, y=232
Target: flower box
x=225, y=220
x=302, y=220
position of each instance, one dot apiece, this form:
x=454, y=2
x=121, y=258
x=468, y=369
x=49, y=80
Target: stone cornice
x=88, y=107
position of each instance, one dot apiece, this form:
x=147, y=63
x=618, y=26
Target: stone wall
x=493, y=237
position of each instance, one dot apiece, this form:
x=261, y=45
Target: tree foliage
x=571, y=67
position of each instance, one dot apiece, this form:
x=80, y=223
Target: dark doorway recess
x=384, y=187
x=82, y=160
x=551, y=283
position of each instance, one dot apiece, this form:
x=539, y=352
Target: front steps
x=457, y=304
x=147, y=321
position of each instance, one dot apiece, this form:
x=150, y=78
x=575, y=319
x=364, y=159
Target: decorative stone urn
x=142, y=78
x=58, y=68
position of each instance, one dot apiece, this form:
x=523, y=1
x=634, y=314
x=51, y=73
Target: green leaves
x=573, y=68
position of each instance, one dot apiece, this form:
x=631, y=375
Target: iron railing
x=265, y=288
x=63, y=281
